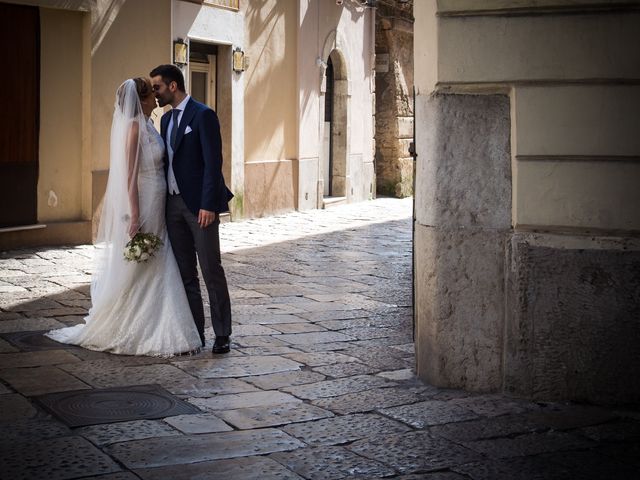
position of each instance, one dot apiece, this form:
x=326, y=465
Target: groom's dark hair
x=169, y=73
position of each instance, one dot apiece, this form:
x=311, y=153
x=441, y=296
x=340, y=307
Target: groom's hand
x=205, y=218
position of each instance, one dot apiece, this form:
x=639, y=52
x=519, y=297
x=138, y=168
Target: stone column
x=463, y=208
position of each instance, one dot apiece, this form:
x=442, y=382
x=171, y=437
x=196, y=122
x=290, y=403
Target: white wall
x=324, y=27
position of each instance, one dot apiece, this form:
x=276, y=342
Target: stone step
x=328, y=202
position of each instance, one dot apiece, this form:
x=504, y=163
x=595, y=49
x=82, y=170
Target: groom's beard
x=164, y=101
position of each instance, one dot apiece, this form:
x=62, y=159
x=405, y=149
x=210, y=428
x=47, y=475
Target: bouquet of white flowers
x=142, y=247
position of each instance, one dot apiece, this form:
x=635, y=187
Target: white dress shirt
x=171, y=178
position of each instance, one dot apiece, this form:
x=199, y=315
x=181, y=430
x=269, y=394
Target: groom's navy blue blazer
x=197, y=159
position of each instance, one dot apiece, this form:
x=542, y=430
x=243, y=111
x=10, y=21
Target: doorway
x=202, y=73
x=19, y=127
x=335, y=132
x=327, y=164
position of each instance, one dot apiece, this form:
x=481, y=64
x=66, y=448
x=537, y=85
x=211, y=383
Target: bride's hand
x=134, y=226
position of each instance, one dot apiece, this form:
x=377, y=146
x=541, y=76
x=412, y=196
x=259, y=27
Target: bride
x=137, y=308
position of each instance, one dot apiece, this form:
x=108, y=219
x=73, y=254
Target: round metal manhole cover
x=92, y=407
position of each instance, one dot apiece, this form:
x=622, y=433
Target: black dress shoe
x=221, y=345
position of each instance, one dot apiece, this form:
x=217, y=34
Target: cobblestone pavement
x=319, y=384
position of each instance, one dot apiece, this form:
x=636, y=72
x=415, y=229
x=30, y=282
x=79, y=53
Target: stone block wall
x=573, y=318
x=394, y=98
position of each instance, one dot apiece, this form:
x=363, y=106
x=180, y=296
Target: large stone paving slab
x=30, y=431
x=628, y=453
x=248, y=468
x=6, y=347
x=244, y=400
x=367, y=333
x=250, y=330
x=399, y=375
x=319, y=359
x=258, y=341
x=348, y=323
x=298, y=327
x=565, y=417
x=16, y=303
x=394, y=343
x=55, y=459
x=591, y=465
x=529, y=444
x=428, y=476
x=350, y=369
x=211, y=386
x=484, y=428
x=114, y=476
x=36, y=359
x=272, y=415
x=414, y=451
x=617, y=431
x=381, y=357
x=125, y=431
x=523, y=468
x=274, y=381
x=41, y=380
x=201, y=423
x=323, y=347
x=314, y=337
x=430, y=412
x=266, y=350
x=266, y=318
x=34, y=340
x=331, y=463
x=181, y=450
x=106, y=374
x=238, y=366
x=368, y=400
x=14, y=407
x=321, y=316
x=340, y=386
x=333, y=431
x=271, y=308
x=495, y=405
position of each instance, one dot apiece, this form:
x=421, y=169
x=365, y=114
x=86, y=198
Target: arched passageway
x=336, y=121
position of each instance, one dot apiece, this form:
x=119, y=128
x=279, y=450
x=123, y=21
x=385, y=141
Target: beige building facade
x=527, y=220
x=261, y=65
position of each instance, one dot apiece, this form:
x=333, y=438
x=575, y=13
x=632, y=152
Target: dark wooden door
x=19, y=120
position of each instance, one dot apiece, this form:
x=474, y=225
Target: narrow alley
x=320, y=382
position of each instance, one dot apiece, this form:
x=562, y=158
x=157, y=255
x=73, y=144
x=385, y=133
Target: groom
x=197, y=195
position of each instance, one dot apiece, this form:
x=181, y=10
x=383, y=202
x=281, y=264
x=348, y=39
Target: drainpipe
x=414, y=155
x=372, y=89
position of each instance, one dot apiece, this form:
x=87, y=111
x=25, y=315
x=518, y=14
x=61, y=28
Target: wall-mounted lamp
x=238, y=60
x=179, y=52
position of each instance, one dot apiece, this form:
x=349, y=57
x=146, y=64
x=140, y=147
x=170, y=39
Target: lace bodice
x=151, y=158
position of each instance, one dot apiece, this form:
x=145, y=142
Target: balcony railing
x=228, y=4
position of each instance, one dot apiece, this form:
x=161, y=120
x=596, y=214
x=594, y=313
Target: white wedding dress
x=137, y=308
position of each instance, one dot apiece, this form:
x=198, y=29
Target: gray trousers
x=187, y=239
